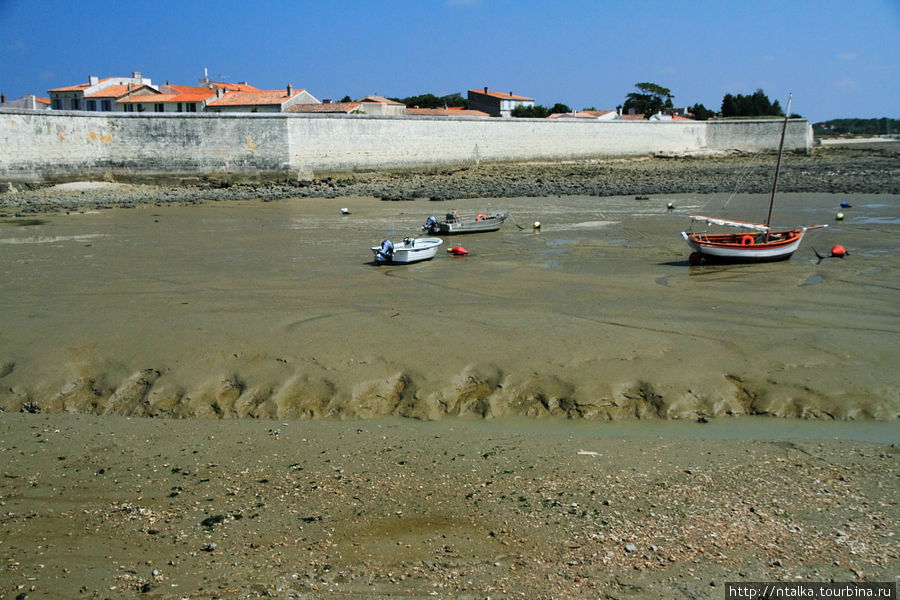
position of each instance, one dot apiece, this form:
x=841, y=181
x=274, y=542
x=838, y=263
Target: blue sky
x=838, y=58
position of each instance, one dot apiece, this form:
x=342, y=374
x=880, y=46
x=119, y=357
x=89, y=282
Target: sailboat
x=758, y=242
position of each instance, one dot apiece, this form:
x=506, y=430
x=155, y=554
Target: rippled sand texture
x=273, y=309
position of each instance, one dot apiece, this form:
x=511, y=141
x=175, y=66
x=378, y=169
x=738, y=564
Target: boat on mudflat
x=410, y=250
x=454, y=223
x=758, y=242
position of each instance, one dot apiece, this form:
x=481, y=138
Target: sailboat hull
x=745, y=247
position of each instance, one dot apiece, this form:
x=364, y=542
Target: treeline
x=754, y=105
x=432, y=101
x=880, y=126
x=648, y=99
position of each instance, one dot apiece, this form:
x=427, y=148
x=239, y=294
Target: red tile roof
x=633, y=118
x=113, y=91
x=380, y=100
x=170, y=93
x=76, y=87
x=501, y=95
x=234, y=87
x=596, y=113
x=257, y=98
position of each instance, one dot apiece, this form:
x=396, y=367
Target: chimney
x=485, y=90
x=510, y=93
x=290, y=90
x=136, y=74
x=2, y=98
x=93, y=80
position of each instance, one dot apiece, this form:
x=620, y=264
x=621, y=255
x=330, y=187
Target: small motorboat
x=453, y=223
x=409, y=251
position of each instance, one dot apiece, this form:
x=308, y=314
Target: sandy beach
x=208, y=393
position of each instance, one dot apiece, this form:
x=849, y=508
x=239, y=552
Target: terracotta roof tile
x=501, y=95
x=181, y=94
x=235, y=87
x=596, y=113
x=258, y=98
x=113, y=91
x=380, y=100
x=77, y=86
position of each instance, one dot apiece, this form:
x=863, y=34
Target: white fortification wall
x=51, y=146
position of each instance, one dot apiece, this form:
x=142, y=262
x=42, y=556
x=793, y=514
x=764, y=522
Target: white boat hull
x=479, y=224
x=713, y=249
x=411, y=250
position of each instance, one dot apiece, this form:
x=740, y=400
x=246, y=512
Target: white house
x=96, y=94
x=167, y=98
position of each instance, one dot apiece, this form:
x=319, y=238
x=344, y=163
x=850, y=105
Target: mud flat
x=518, y=423
x=274, y=310
x=112, y=507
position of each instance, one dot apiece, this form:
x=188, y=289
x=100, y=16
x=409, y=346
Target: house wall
x=64, y=146
x=484, y=103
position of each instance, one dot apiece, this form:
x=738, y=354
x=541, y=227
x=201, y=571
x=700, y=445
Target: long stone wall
x=49, y=146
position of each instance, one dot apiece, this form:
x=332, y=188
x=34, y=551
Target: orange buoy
x=838, y=251
x=746, y=240
x=458, y=251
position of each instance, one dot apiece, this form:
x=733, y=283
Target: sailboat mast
x=787, y=115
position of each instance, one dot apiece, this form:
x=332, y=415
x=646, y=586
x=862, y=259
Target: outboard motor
x=386, y=253
x=429, y=224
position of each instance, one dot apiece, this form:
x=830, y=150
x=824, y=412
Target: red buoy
x=458, y=251
x=838, y=251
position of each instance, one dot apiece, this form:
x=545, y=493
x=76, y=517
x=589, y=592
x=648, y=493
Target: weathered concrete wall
x=65, y=145
x=759, y=135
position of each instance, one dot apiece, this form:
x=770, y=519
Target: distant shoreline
x=854, y=167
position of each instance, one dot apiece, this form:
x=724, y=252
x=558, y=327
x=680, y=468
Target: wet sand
x=113, y=507
x=274, y=309
x=518, y=423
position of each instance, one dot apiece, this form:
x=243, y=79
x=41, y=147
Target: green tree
x=560, y=108
x=701, y=113
x=756, y=104
x=530, y=112
x=346, y=99
x=432, y=101
x=729, y=106
x=649, y=99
